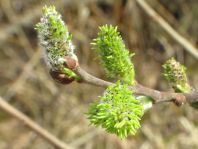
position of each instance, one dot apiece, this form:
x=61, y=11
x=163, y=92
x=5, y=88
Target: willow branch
x=32, y=125
x=157, y=96
x=172, y=32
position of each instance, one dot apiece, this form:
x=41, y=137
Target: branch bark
x=157, y=96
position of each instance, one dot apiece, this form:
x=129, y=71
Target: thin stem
x=90, y=79
x=32, y=125
x=157, y=96
x=172, y=32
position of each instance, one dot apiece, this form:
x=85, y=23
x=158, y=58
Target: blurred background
x=26, y=84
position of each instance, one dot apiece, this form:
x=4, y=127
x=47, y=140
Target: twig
x=32, y=125
x=22, y=77
x=157, y=96
x=90, y=79
x=173, y=33
x=11, y=15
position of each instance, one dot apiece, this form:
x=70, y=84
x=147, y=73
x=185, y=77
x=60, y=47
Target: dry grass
x=26, y=84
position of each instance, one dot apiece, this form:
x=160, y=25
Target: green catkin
x=55, y=39
x=113, y=54
x=175, y=73
x=117, y=111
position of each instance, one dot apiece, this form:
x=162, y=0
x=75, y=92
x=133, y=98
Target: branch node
x=179, y=100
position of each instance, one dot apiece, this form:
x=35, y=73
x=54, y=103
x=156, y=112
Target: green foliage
x=117, y=111
x=55, y=39
x=175, y=73
x=114, y=55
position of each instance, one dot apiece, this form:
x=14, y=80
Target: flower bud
x=175, y=73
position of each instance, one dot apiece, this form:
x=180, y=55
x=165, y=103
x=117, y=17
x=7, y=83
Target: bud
x=175, y=73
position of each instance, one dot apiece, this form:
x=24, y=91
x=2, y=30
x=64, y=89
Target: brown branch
x=189, y=47
x=157, y=96
x=90, y=79
x=32, y=125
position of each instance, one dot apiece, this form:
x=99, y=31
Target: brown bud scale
x=70, y=63
x=61, y=78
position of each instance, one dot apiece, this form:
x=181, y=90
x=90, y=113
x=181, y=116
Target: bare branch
x=90, y=79
x=157, y=96
x=172, y=32
x=32, y=125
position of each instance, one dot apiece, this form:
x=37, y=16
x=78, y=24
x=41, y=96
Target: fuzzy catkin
x=113, y=54
x=54, y=38
x=175, y=73
x=118, y=111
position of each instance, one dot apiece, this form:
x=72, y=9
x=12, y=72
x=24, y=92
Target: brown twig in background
x=173, y=33
x=32, y=125
x=157, y=96
x=22, y=77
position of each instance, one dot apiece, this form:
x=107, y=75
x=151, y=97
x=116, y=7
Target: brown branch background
x=60, y=109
